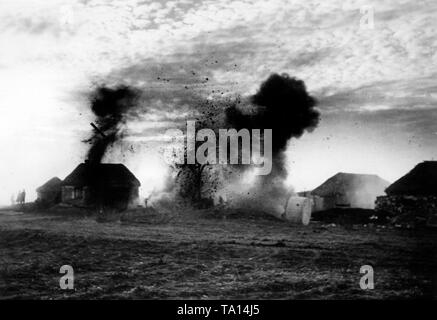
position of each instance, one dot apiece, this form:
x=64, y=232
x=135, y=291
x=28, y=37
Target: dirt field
x=210, y=258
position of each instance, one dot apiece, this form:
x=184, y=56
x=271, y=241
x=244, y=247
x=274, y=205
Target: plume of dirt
x=282, y=104
x=110, y=106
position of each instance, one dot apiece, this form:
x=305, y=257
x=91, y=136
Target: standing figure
x=18, y=197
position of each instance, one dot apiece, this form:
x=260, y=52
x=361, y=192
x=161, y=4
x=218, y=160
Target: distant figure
x=21, y=197
x=145, y=201
x=18, y=200
x=12, y=199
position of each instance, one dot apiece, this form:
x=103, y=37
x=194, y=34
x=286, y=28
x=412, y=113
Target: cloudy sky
x=375, y=82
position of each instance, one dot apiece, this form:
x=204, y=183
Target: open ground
x=201, y=255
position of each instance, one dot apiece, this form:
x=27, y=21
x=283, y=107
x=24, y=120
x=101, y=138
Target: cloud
x=420, y=94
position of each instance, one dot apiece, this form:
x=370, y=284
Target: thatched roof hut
x=52, y=184
x=50, y=191
x=421, y=181
x=108, y=174
x=109, y=184
x=351, y=190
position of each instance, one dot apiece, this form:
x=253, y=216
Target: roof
x=53, y=184
x=422, y=180
x=107, y=174
x=343, y=182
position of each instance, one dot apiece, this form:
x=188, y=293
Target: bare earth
x=194, y=257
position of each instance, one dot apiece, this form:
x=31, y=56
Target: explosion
x=110, y=106
x=281, y=104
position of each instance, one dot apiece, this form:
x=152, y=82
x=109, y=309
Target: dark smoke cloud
x=110, y=106
x=282, y=104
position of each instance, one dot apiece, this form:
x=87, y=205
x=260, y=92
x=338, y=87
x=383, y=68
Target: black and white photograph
x=220, y=152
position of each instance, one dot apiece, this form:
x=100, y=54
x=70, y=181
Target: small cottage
x=49, y=192
x=413, y=197
x=100, y=184
x=348, y=190
x=421, y=181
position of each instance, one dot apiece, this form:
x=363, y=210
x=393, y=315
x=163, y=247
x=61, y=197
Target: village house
x=100, y=184
x=49, y=192
x=413, y=197
x=348, y=190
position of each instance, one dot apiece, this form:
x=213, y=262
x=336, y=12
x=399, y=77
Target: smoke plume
x=283, y=105
x=110, y=106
